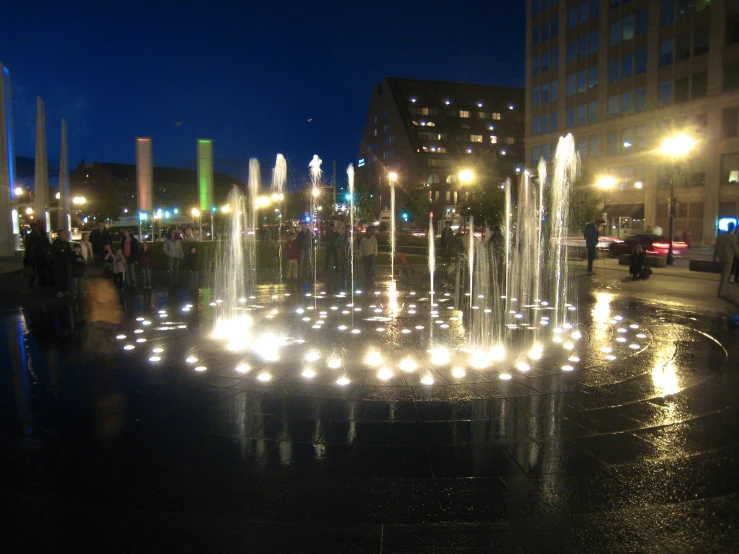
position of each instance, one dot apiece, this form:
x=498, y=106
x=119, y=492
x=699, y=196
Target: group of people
x=66, y=265
x=300, y=248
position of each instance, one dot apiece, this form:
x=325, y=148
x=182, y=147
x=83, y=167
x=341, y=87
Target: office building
x=621, y=76
x=427, y=132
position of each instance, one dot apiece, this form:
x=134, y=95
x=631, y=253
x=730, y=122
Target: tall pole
x=333, y=183
x=41, y=173
x=670, y=257
x=9, y=227
x=64, y=217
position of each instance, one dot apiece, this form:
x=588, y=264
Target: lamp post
x=675, y=148
x=605, y=183
x=196, y=213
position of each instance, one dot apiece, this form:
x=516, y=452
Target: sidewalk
x=10, y=264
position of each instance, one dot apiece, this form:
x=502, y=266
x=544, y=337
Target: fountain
x=279, y=175
x=519, y=316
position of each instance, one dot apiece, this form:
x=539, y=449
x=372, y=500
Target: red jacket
x=145, y=259
x=292, y=250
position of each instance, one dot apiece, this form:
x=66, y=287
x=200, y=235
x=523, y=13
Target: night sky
x=249, y=77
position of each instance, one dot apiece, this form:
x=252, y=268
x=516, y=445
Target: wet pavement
x=104, y=448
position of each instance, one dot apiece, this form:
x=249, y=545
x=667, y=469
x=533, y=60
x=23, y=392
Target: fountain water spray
x=350, y=179
x=315, y=177
x=252, y=223
x=471, y=256
x=279, y=175
x=539, y=224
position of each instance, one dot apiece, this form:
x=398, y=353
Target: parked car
x=653, y=245
x=604, y=243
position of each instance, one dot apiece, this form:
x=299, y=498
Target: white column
x=144, y=175
x=9, y=232
x=63, y=221
x=41, y=174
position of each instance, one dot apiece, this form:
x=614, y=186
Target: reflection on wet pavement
x=616, y=430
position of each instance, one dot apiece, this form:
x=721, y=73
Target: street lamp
x=605, y=183
x=18, y=191
x=466, y=176
x=196, y=213
x=79, y=200
x=674, y=147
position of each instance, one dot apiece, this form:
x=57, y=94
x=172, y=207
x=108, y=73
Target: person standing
x=305, y=244
x=62, y=254
x=591, y=242
x=146, y=263
x=193, y=268
x=99, y=238
x=368, y=249
x=727, y=247
x=174, y=253
x=293, y=254
x=79, y=267
x=130, y=247
x=86, y=253
x=119, y=269
x=332, y=247
x=447, y=242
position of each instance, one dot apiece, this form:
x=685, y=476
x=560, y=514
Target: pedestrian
x=638, y=266
x=173, y=251
x=99, y=238
x=146, y=263
x=591, y=242
x=727, y=247
x=735, y=269
x=38, y=249
x=447, y=242
x=62, y=254
x=333, y=240
x=86, y=252
x=108, y=259
x=368, y=250
x=293, y=254
x=347, y=246
x=305, y=246
x=130, y=247
x=119, y=269
x=79, y=269
x=648, y=230
x=193, y=268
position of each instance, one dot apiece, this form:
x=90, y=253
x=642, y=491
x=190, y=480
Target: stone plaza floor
x=634, y=450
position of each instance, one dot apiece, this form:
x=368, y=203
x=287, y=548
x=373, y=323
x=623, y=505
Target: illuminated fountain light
x=634, y=326
x=519, y=316
x=129, y=347
x=558, y=331
x=419, y=327
x=505, y=376
x=557, y=339
x=300, y=311
x=458, y=372
x=342, y=327
x=412, y=312
x=544, y=322
x=380, y=329
x=641, y=336
x=373, y=358
x=545, y=303
x=523, y=366
x=618, y=317
x=573, y=359
x=568, y=346
x=342, y=381
x=162, y=315
x=201, y=368
x=158, y=350
x=610, y=357
x=567, y=368
x=267, y=347
x=356, y=331
x=480, y=360
x=185, y=309
x=154, y=358
x=212, y=304
x=621, y=330
x=536, y=351
x=345, y=312
x=308, y=373
x=621, y=339
x=577, y=335
x=384, y=374
x=334, y=362
x=312, y=356
x=408, y=364
x=243, y=368
x=121, y=337
x=141, y=340
x=572, y=308
x=568, y=326
x=606, y=349
x=497, y=353
x=406, y=331
x=439, y=356
x=444, y=326
x=306, y=319
x=191, y=360
x=634, y=346
x=316, y=326
x=264, y=377
x=427, y=380
x=334, y=307
x=146, y=322
x=139, y=319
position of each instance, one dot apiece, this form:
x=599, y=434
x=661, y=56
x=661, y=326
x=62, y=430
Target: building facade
x=427, y=132
x=621, y=76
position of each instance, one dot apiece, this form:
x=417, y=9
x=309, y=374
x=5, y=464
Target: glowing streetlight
x=29, y=211
x=18, y=191
x=393, y=176
x=263, y=201
x=195, y=212
x=605, y=183
x=58, y=195
x=466, y=176
x=675, y=147
x=79, y=200
x=316, y=191
x=225, y=209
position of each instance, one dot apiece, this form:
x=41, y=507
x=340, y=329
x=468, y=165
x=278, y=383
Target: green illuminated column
x=205, y=174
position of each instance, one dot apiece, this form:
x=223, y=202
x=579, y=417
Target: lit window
x=464, y=113
x=496, y=116
x=494, y=138
x=475, y=138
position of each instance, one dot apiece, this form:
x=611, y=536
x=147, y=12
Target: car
x=576, y=241
x=653, y=245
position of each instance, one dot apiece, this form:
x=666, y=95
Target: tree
x=106, y=202
x=485, y=199
x=416, y=203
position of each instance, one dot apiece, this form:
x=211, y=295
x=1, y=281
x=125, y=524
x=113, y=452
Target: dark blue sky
x=246, y=74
